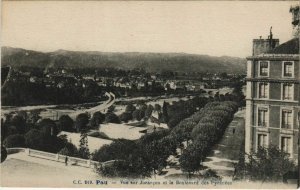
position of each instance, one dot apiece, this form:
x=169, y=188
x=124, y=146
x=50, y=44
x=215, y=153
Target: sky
x=216, y=28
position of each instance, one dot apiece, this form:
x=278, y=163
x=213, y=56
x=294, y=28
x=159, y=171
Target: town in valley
x=152, y=119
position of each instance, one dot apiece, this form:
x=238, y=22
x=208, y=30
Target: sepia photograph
x=150, y=94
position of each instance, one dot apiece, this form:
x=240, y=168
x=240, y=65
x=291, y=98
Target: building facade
x=272, y=98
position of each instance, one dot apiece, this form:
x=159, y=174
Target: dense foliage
x=20, y=91
x=26, y=129
x=149, y=154
x=267, y=164
x=139, y=158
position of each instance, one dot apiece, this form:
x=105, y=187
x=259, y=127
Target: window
x=263, y=90
x=262, y=140
x=286, y=119
x=287, y=91
x=288, y=68
x=286, y=144
x=263, y=68
x=262, y=117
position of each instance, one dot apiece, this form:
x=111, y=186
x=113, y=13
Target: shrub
x=66, y=123
x=112, y=118
x=34, y=139
x=130, y=108
x=16, y=140
x=118, y=149
x=137, y=114
x=81, y=122
x=69, y=150
x=97, y=119
x=267, y=164
x=125, y=117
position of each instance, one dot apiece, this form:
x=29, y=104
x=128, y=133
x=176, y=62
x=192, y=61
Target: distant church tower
x=295, y=20
x=264, y=45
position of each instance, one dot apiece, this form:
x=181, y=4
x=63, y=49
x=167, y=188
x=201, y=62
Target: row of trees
x=171, y=114
x=203, y=130
x=149, y=155
x=139, y=112
x=177, y=111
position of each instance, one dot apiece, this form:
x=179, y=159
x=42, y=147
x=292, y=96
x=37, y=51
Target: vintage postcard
x=150, y=94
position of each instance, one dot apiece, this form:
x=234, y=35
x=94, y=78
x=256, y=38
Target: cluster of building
x=55, y=80
x=273, y=93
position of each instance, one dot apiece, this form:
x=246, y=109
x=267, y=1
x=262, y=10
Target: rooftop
x=289, y=47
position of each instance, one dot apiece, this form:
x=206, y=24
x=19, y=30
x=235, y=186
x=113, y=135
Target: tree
x=66, y=123
x=16, y=140
x=223, y=75
x=157, y=108
x=3, y=153
x=34, y=139
x=69, y=150
x=10, y=130
x=189, y=161
x=38, y=140
x=142, y=106
x=174, y=121
x=19, y=122
x=48, y=127
x=136, y=114
x=148, y=111
x=81, y=122
x=119, y=149
x=33, y=117
x=267, y=164
x=111, y=109
x=112, y=118
x=97, y=119
x=130, y=108
x=83, y=151
x=125, y=117
x=165, y=116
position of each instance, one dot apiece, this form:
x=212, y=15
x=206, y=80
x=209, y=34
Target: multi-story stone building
x=273, y=94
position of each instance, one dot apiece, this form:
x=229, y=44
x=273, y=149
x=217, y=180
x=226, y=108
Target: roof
x=289, y=47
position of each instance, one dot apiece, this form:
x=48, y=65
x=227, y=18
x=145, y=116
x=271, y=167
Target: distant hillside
x=180, y=62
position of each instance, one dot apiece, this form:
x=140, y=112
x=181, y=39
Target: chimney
x=264, y=45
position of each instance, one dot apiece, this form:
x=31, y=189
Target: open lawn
x=118, y=131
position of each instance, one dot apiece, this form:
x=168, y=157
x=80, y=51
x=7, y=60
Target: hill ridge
x=150, y=61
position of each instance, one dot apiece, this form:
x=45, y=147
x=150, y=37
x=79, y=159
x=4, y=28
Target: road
x=73, y=114
x=101, y=107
